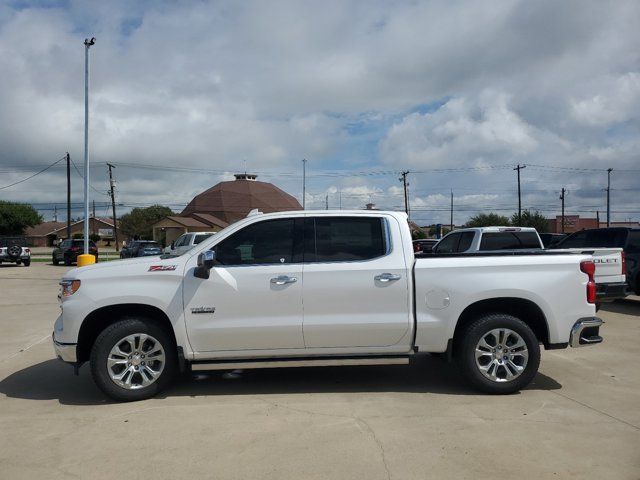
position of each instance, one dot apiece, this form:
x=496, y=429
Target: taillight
x=624, y=264
x=28, y=250
x=588, y=267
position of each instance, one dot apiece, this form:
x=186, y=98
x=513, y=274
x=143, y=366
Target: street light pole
x=304, y=184
x=609, y=170
x=87, y=44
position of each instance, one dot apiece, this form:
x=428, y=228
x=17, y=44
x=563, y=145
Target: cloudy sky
x=185, y=93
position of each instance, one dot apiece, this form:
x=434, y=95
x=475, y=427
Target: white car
x=321, y=288
x=610, y=273
x=14, y=253
x=186, y=242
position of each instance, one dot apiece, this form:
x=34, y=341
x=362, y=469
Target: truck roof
x=496, y=229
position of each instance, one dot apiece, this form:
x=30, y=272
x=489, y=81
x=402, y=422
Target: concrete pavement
x=579, y=419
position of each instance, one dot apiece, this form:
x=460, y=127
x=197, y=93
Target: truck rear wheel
x=133, y=359
x=498, y=354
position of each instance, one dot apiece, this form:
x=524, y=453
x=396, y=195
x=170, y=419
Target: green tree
x=532, y=219
x=488, y=220
x=15, y=217
x=139, y=221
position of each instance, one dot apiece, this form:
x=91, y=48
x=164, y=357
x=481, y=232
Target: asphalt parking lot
x=579, y=419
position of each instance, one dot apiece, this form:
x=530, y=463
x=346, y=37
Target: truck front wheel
x=498, y=354
x=133, y=359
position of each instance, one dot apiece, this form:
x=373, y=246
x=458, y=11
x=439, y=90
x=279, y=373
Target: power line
x=82, y=177
x=35, y=174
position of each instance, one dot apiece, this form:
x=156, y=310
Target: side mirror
x=206, y=261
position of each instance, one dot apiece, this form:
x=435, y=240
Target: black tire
x=108, y=339
x=67, y=261
x=26, y=262
x=54, y=259
x=14, y=252
x=481, y=328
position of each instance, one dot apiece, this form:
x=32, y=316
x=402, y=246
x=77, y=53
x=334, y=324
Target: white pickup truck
x=321, y=288
x=610, y=273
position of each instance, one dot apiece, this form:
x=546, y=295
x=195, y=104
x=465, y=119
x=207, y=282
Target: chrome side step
x=296, y=363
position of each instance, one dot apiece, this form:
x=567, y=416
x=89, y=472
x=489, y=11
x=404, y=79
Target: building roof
x=210, y=219
x=44, y=229
x=50, y=228
x=187, y=221
x=231, y=201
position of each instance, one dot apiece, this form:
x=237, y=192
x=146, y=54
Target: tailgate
x=608, y=263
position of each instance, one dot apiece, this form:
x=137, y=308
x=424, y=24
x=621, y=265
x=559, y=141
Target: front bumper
x=65, y=351
x=586, y=332
x=607, y=292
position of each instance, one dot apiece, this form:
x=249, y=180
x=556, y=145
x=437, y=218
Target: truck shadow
x=53, y=380
x=626, y=306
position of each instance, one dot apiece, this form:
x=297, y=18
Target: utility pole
x=403, y=179
x=326, y=200
x=598, y=218
x=304, y=183
x=87, y=44
x=609, y=170
x=112, y=184
x=562, y=195
x=518, y=168
x=68, y=195
x=451, y=218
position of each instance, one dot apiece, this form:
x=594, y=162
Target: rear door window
x=606, y=238
x=509, y=240
x=344, y=239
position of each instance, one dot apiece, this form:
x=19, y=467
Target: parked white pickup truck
x=321, y=288
x=610, y=273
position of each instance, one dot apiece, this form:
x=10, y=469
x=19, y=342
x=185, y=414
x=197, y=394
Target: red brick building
x=573, y=223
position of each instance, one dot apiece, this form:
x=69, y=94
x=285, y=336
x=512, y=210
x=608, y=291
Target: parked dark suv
x=68, y=250
x=141, y=248
x=614, y=237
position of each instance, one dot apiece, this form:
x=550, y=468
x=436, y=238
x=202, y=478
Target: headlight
x=69, y=287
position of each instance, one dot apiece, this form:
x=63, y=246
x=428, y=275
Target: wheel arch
x=102, y=317
x=526, y=310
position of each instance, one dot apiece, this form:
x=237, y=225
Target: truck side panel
x=446, y=286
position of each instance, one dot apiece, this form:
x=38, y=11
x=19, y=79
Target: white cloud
x=617, y=100
x=210, y=85
x=461, y=130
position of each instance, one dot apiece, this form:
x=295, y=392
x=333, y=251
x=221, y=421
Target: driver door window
x=264, y=243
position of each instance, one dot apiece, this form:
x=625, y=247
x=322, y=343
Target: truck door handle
x=387, y=277
x=283, y=280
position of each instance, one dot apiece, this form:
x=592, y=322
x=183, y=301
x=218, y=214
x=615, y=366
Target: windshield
x=199, y=238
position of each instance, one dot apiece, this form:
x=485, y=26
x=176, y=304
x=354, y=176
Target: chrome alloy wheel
x=136, y=361
x=501, y=355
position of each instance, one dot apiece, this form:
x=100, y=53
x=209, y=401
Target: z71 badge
x=162, y=268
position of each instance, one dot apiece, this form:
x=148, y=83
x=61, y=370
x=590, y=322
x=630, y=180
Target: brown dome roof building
x=222, y=204
x=231, y=201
